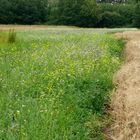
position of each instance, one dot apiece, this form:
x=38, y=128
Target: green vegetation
x=137, y=15
x=83, y=13
x=55, y=83
x=12, y=36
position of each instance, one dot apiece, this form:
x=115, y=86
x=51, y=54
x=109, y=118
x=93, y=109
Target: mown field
x=55, y=84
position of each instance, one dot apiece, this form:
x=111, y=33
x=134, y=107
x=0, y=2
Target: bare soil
x=126, y=98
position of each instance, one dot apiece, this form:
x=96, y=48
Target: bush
x=111, y=19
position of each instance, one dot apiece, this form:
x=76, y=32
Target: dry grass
x=32, y=27
x=21, y=27
x=126, y=99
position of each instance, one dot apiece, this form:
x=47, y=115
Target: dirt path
x=126, y=98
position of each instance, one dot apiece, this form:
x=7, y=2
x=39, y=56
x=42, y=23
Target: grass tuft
x=12, y=36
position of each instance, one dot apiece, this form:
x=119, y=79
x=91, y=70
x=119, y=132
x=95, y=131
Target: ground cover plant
x=55, y=83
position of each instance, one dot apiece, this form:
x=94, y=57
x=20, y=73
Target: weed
x=12, y=36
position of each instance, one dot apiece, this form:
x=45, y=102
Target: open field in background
x=55, y=82
x=40, y=27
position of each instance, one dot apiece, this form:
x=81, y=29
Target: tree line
x=83, y=13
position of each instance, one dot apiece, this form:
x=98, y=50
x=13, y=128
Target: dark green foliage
x=83, y=13
x=127, y=11
x=23, y=11
x=137, y=15
x=69, y=11
x=5, y=14
x=90, y=13
x=116, y=15
x=111, y=19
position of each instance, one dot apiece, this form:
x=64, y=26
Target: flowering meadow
x=55, y=84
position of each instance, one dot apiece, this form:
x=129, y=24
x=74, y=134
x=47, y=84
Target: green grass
x=55, y=84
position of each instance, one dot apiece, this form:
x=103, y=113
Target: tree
x=23, y=11
x=31, y=11
x=5, y=12
x=137, y=15
x=90, y=13
x=69, y=11
x=111, y=19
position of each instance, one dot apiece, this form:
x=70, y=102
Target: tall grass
x=12, y=36
x=54, y=85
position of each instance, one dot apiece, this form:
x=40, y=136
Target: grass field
x=55, y=84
